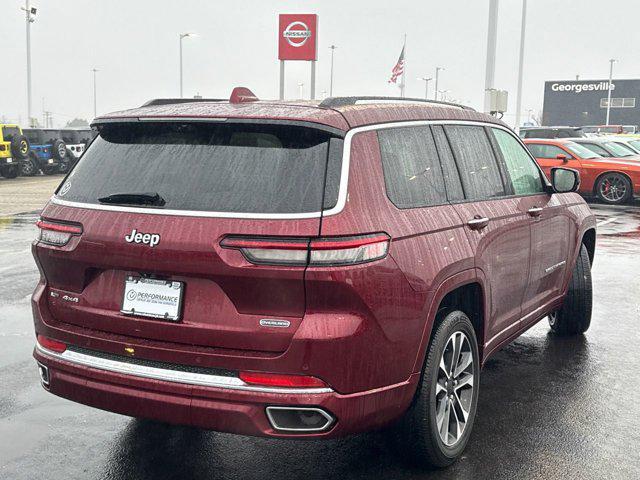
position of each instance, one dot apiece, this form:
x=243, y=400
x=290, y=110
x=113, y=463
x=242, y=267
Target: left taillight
x=55, y=233
x=51, y=344
x=323, y=251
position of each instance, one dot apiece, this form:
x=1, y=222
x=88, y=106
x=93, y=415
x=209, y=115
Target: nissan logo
x=296, y=34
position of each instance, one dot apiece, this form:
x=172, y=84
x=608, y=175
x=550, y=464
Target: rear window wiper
x=152, y=199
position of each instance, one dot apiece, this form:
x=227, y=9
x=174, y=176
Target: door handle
x=535, y=211
x=478, y=223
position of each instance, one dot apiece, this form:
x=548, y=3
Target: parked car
x=609, y=129
x=76, y=140
x=49, y=152
x=612, y=180
x=304, y=270
x=630, y=142
x=608, y=148
x=14, y=149
x=551, y=132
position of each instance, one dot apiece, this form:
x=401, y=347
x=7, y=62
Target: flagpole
x=404, y=69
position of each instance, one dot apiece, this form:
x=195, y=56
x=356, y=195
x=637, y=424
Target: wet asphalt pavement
x=549, y=407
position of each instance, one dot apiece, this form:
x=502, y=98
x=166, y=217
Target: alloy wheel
x=454, y=389
x=613, y=188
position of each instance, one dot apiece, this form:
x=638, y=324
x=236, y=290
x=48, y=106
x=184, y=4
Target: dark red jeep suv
x=303, y=269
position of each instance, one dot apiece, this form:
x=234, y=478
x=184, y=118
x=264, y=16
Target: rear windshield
x=239, y=168
x=9, y=132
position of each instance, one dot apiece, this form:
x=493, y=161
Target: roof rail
x=333, y=102
x=170, y=101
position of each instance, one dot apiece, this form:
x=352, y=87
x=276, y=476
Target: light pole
x=29, y=14
x=492, y=39
x=611, y=62
x=333, y=49
x=521, y=62
x=426, y=81
x=182, y=37
x=95, y=94
x=437, y=78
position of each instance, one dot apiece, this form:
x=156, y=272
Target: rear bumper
x=216, y=403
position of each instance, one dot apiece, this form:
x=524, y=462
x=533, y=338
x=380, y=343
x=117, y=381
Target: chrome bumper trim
x=166, y=375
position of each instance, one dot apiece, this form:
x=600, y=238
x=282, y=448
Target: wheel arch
x=466, y=291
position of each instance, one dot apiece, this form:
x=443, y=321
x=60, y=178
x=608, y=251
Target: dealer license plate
x=150, y=297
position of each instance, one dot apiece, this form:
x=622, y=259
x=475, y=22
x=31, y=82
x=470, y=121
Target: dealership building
x=584, y=102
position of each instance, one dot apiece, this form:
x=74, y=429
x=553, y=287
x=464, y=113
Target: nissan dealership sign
x=577, y=87
x=298, y=37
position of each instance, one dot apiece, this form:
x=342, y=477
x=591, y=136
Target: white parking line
x=604, y=222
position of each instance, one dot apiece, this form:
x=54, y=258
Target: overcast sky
x=134, y=44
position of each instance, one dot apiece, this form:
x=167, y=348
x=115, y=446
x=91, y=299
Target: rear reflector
x=57, y=234
x=313, y=252
x=280, y=380
x=50, y=344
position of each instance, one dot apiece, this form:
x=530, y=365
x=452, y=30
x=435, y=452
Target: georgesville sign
x=584, y=102
x=298, y=37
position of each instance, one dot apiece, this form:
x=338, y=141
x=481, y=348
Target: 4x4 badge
x=151, y=239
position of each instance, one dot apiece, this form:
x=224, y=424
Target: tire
x=29, y=167
x=20, y=147
x=64, y=166
x=50, y=170
x=574, y=317
x=10, y=171
x=614, y=188
x=418, y=433
x=59, y=150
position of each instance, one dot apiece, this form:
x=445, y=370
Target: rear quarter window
x=231, y=168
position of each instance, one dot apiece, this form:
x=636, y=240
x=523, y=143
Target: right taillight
x=58, y=234
x=324, y=251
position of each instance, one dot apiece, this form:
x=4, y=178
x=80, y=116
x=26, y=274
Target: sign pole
x=313, y=79
x=281, y=79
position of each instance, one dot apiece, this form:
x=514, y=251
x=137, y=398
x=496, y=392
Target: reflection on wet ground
x=549, y=407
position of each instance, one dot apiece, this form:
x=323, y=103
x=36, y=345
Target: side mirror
x=565, y=180
x=563, y=157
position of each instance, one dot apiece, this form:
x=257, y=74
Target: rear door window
x=412, y=173
x=476, y=162
x=525, y=175
x=232, y=168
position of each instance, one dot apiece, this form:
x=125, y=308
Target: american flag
x=398, y=69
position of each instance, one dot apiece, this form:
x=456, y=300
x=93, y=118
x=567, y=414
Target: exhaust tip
x=44, y=375
x=299, y=419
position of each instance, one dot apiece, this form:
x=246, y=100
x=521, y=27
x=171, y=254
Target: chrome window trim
x=173, y=376
x=343, y=194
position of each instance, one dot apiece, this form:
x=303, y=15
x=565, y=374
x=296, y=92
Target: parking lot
x=550, y=407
